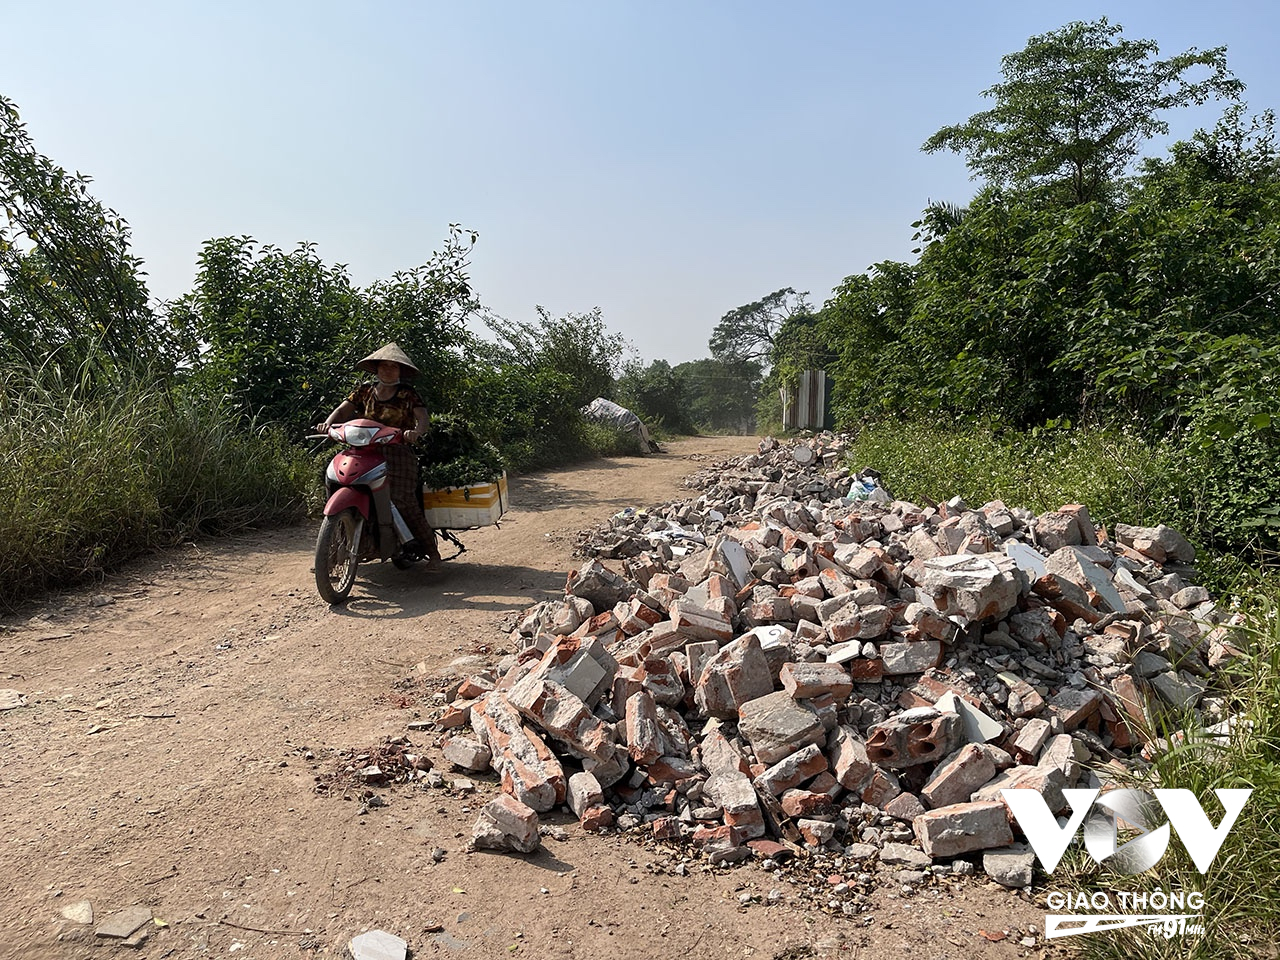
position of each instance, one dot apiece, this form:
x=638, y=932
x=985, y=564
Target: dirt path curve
x=178, y=715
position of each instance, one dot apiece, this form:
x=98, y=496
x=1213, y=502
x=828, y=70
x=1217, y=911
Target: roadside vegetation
x=131, y=423
x=1099, y=327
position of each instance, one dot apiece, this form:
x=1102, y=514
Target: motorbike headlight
x=360, y=436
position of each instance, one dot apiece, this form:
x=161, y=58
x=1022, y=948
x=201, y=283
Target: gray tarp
x=606, y=411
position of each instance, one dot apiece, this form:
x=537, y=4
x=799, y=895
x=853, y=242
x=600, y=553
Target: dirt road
x=177, y=717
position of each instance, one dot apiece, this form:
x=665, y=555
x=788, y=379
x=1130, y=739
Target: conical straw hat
x=391, y=351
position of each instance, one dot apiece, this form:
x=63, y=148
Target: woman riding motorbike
x=390, y=400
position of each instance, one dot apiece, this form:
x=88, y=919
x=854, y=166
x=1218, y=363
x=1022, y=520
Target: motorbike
x=360, y=521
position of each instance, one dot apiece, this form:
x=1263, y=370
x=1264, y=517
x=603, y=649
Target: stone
x=1074, y=707
x=506, y=824
x=881, y=788
x=957, y=777
x=528, y=770
x=1179, y=691
x=584, y=793
x=1160, y=543
x=914, y=656
x=644, y=735
x=1147, y=664
x=1064, y=752
x=563, y=715
x=467, y=754
x=735, y=675
x=1073, y=564
x=1188, y=597
x=729, y=558
x=660, y=678
x=700, y=623
x=963, y=828
x=1055, y=530
x=808, y=805
x=792, y=771
x=1011, y=866
x=1080, y=513
x=731, y=792
x=598, y=585
x=856, y=560
x=905, y=855
x=12, y=699
x=1024, y=700
x=1067, y=597
x=806, y=680
x=905, y=807
x=1133, y=706
x=81, y=911
x=816, y=832
x=848, y=754
x=596, y=818
x=719, y=755
x=776, y=726
x=123, y=923
x=378, y=945
x=1031, y=738
x=1048, y=781
x=610, y=771
x=972, y=587
x=1028, y=559
x=700, y=654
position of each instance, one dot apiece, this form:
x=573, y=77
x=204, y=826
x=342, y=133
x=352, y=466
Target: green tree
x=1075, y=106
x=279, y=333
x=71, y=293
x=748, y=332
x=721, y=394
x=656, y=394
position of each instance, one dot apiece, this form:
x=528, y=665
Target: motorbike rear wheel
x=337, y=555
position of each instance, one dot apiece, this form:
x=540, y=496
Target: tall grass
x=1118, y=475
x=88, y=479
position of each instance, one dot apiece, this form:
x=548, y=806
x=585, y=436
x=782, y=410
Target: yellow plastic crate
x=460, y=508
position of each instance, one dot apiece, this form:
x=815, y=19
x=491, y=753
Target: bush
x=606, y=441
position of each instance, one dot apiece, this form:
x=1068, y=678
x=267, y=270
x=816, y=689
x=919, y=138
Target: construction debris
x=796, y=657
x=506, y=824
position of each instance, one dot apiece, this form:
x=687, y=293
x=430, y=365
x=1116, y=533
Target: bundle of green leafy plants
x=451, y=455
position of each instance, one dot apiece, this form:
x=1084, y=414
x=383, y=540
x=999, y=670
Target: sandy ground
x=178, y=714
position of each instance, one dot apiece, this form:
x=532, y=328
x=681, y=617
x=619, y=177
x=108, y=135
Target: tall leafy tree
x=71, y=292
x=1075, y=106
x=279, y=332
x=748, y=332
x=721, y=394
x=656, y=393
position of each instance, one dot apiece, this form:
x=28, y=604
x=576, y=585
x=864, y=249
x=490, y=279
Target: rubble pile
x=394, y=760
x=796, y=662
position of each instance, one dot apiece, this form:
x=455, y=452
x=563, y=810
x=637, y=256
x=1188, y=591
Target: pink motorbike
x=360, y=521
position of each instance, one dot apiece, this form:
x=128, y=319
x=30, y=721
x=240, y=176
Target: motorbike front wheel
x=337, y=554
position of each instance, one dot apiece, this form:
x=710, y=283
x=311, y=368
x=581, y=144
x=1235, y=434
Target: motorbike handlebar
x=397, y=433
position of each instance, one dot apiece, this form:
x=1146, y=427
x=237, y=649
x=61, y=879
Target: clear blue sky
x=664, y=161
